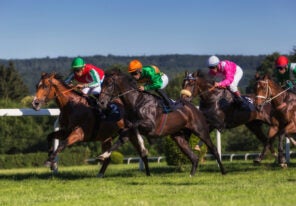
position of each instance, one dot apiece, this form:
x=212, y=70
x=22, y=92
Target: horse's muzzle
x=103, y=104
x=36, y=104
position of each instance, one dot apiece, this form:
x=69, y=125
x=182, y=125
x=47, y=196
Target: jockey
x=88, y=77
x=152, y=78
x=231, y=72
x=285, y=71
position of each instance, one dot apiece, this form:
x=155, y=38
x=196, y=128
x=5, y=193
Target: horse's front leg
x=139, y=147
x=281, y=157
x=76, y=135
x=50, y=140
x=106, y=145
x=183, y=144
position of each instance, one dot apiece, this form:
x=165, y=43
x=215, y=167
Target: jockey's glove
x=290, y=84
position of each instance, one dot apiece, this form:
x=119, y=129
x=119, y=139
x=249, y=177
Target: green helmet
x=78, y=63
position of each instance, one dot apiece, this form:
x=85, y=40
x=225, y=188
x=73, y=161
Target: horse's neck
x=279, y=96
x=64, y=96
x=211, y=97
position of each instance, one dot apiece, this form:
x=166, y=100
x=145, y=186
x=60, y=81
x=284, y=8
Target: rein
x=119, y=95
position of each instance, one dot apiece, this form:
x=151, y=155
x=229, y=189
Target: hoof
x=54, y=166
x=47, y=163
x=100, y=175
x=197, y=148
x=100, y=158
x=257, y=161
x=284, y=165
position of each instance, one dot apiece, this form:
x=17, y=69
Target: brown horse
x=222, y=112
x=144, y=112
x=79, y=119
x=283, y=102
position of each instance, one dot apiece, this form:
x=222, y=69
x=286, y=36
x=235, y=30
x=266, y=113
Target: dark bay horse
x=283, y=102
x=221, y=113
x=79, y=119
x=144, y=112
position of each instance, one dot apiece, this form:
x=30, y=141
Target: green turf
x=244, y=184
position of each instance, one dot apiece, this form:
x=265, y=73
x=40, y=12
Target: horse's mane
x=204, y=76
x=60, y=78
x=125, y=76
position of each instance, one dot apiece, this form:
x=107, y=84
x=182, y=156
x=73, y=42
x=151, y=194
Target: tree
x=11, y=84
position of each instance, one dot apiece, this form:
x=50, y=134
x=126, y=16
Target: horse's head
x=44, y=91
x=188, y=86
x=116, y=84
x=194, y=84
x=265, y=90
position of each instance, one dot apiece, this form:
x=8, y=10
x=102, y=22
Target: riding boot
x=166, y=99
x=238, y=98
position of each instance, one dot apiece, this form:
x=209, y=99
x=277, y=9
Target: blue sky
x=53, y=28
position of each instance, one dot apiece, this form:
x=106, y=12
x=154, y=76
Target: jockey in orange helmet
x=152, y=78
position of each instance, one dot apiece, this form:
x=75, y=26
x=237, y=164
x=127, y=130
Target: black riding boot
x=238, y=100
x=166, y=99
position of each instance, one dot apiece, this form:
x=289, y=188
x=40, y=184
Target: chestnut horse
x=144, y=112
x=222, y=113
x=79, y=119
x=283, y=102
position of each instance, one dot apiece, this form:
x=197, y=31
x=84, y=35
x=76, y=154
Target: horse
x=80, y=119
x=144, y=111
x=222, y=112
x=284, y=103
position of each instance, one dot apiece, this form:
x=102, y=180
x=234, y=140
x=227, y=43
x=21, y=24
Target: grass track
x=244, y=184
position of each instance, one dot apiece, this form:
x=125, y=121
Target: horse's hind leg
x=185, y=148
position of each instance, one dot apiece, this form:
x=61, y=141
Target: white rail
x=29, y=112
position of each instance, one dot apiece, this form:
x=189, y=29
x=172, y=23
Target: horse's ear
x=266, y=76
x=257, y=76
x=43, y=74
x=186, y=73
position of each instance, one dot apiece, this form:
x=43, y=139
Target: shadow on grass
x=211, y=167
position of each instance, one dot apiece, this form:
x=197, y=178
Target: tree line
x=28, y=134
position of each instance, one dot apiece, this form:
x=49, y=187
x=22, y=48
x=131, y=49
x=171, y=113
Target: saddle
x=165, y=108
x=245, y=103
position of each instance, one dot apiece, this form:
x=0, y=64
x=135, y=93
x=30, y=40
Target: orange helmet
x=281, y=61
x=134, y=65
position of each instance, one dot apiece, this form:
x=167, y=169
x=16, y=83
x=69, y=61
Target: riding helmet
x=213, y=61
x=134, y=65
x=78, y=63
x=281, y=61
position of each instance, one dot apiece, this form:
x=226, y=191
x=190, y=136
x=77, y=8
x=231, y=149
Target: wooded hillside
x=172, y=65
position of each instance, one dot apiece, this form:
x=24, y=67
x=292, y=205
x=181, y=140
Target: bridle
x=189, y=77
x=268, y=93
x=56, y=95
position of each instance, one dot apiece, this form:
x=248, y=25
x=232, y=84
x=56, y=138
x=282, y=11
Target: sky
x=55, y=28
